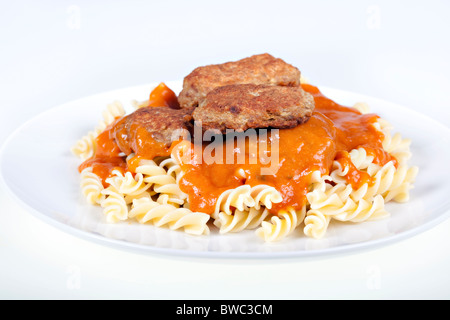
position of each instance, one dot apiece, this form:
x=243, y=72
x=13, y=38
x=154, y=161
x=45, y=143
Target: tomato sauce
x=163, y=96
x=106, y=158
x=330, y=134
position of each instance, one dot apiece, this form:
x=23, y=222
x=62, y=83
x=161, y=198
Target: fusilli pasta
x=265, y=195
x=334, y=202
x=110, y=114
x=146, y=210
x=281, y=225
x=395, y=144
x=151, y=194
x=85, y=147
x=160, y=181
x=239, y=198
x=91, y=186
x=240, y=220
x=114, y=205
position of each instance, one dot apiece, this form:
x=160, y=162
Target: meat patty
x=160, y=122
x=244, y=106
x=257, y=69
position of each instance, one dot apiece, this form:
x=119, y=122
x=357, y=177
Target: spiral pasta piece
x=173, y=168
x=146, y=210
x=181, y=152
x=363, y=161
x=130, y=187
x=114, y=205
x=281, y=225
x=335, y=202
x=85, y=147
x=390, y=182
x=240, y=220
x=239, y=198
x=362, y=210
x=316, y=224
x=394, y=183
x=362, y=107
x=91, y=186
x=159, y=179
x=395, y=144
x=265, y=195
x=360, y=160
x=163, y=198
x=139, y=104
x=129, y=184
x=113, y=111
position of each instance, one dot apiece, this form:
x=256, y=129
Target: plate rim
x=180, y=253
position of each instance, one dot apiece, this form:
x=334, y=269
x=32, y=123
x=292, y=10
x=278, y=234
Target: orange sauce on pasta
x=106, y=157
x=330, y=134
x=144, y=146
x=354, y=176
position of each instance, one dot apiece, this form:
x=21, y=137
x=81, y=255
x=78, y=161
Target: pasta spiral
x=334, y=202
x=239, y=198
x=146, y=210
x=240, y=220
x=391, y=182
x=316, y=224
x=110, y=114
x=163, y=198
x=139, y=104
x=281, y=225
x=114, y=205
x=395, y=144
x=130, y=187
x=265, y=195
x=160, y=180
x=172, y=167
x=85, y=147
x=91, y=186
x=181, y=151
x=362, y=107
x=127, y=184
x=363, y=161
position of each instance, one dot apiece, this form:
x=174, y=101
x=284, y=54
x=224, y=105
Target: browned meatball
x=244, y=106
x=160, y=122
x=257, y=69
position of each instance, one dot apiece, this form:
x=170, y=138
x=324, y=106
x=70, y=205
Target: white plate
x=39, y=170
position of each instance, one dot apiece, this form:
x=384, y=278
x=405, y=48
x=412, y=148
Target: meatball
x=245, y=106
x=257, y=69
x=160, y=122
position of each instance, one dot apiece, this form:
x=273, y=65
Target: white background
x=56, y=51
